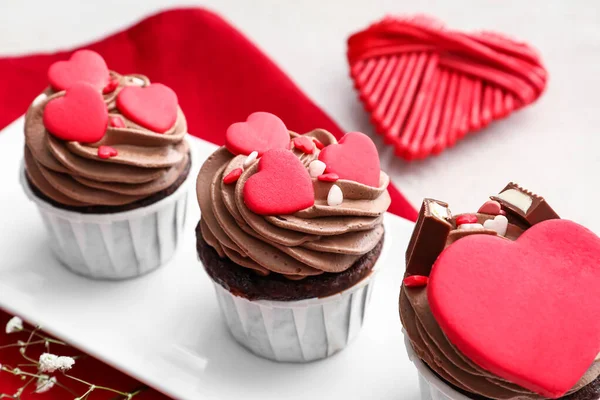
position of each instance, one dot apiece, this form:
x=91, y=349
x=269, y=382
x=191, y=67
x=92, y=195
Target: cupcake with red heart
x=107, y=163
x=290, y=232
x=500, y=304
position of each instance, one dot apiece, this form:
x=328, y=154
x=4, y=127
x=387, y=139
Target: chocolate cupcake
x=501, y=304
x=107, y=163
x=290, y=232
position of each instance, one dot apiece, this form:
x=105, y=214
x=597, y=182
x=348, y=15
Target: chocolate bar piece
x=429, y=237
x=524, y=205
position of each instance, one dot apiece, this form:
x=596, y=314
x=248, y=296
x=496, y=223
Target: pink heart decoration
x=261, y=132
x=83, y=66
x=528, y=310
x=153, y=106
x=80, y=115
x=281, y=186
x=354, y=158
x=491, y=207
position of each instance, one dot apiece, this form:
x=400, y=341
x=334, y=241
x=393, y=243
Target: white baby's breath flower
x=50, y=363
x=44, y=383
x=15, y=324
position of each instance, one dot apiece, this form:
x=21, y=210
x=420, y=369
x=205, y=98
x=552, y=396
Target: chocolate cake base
x=588, y=392
x=244, y=282
x=115, y=209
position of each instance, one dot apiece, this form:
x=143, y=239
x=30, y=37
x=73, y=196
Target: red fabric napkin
x=220, y=78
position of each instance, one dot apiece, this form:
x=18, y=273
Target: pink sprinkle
x=416, y=281
x=233, y=176
x=116, y=122
x=304, y=144
x=111, y=86
x=331, y=177
x=105, y=152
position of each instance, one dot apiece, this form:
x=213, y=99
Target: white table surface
x=549, y=147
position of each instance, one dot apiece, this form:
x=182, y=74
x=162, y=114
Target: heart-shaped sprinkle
x=304, y=144
x=466, y=219
x=250, y=159
x=498, y=224
x=331, y=177
x=80, y=115
x=233, y=176
x=105, y=152
x=281, y=186
x=471, y=227
x=116, y=121
x=261, y=132
x=316, y=168
x=83, y=66
x=153, y=106
x=517, y=307
x=354, y=158
x=113, y=83
x=490, y=207
x=318, y=143
x=416, y=281
x=335, y=197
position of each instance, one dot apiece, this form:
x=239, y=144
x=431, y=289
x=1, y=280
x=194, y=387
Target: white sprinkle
x=137, y=81
x=470, y=227
x=335, y=197
x=316, y=168
x=250, y=159
x=38, y=100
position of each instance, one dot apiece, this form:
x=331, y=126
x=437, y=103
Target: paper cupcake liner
x=297, y=331
x=115, y=246
x=431, y=386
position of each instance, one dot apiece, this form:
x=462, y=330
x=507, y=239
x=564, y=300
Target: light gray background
x=551, y=147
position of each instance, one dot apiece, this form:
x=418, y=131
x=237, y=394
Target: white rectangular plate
x=165, y=328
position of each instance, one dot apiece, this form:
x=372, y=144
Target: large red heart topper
x=427, y=86
x=80, y=115
x=281, y=186
x=261, y=132
x=527, y=311
x=153, y=106
x=354, y=158
x=83, y=66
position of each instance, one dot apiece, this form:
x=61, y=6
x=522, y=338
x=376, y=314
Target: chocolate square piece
x=429, y=237
x=524, y=205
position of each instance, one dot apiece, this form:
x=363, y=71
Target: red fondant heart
x=261, y=132
x=281, y=186
x=83, y=66
x=153, y=106
x=80, y=115
x=528, y=311
x=355, y=158
x=426, y=86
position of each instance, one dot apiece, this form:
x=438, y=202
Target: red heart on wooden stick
x=527, y=310
x=426, y=86
x=83, y=66
x=80, y=115
x=281, y=186
x=153, y=106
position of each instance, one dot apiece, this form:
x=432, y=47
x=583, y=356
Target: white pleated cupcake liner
x=297, y=331
x=116, y=246
x=431, y=386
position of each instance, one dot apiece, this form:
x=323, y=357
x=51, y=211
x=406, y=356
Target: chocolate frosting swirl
x=318, y=239
x=433, y=347
x=72, y=174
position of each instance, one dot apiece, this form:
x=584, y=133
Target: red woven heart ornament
x=427, y=86
x=526, y=310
